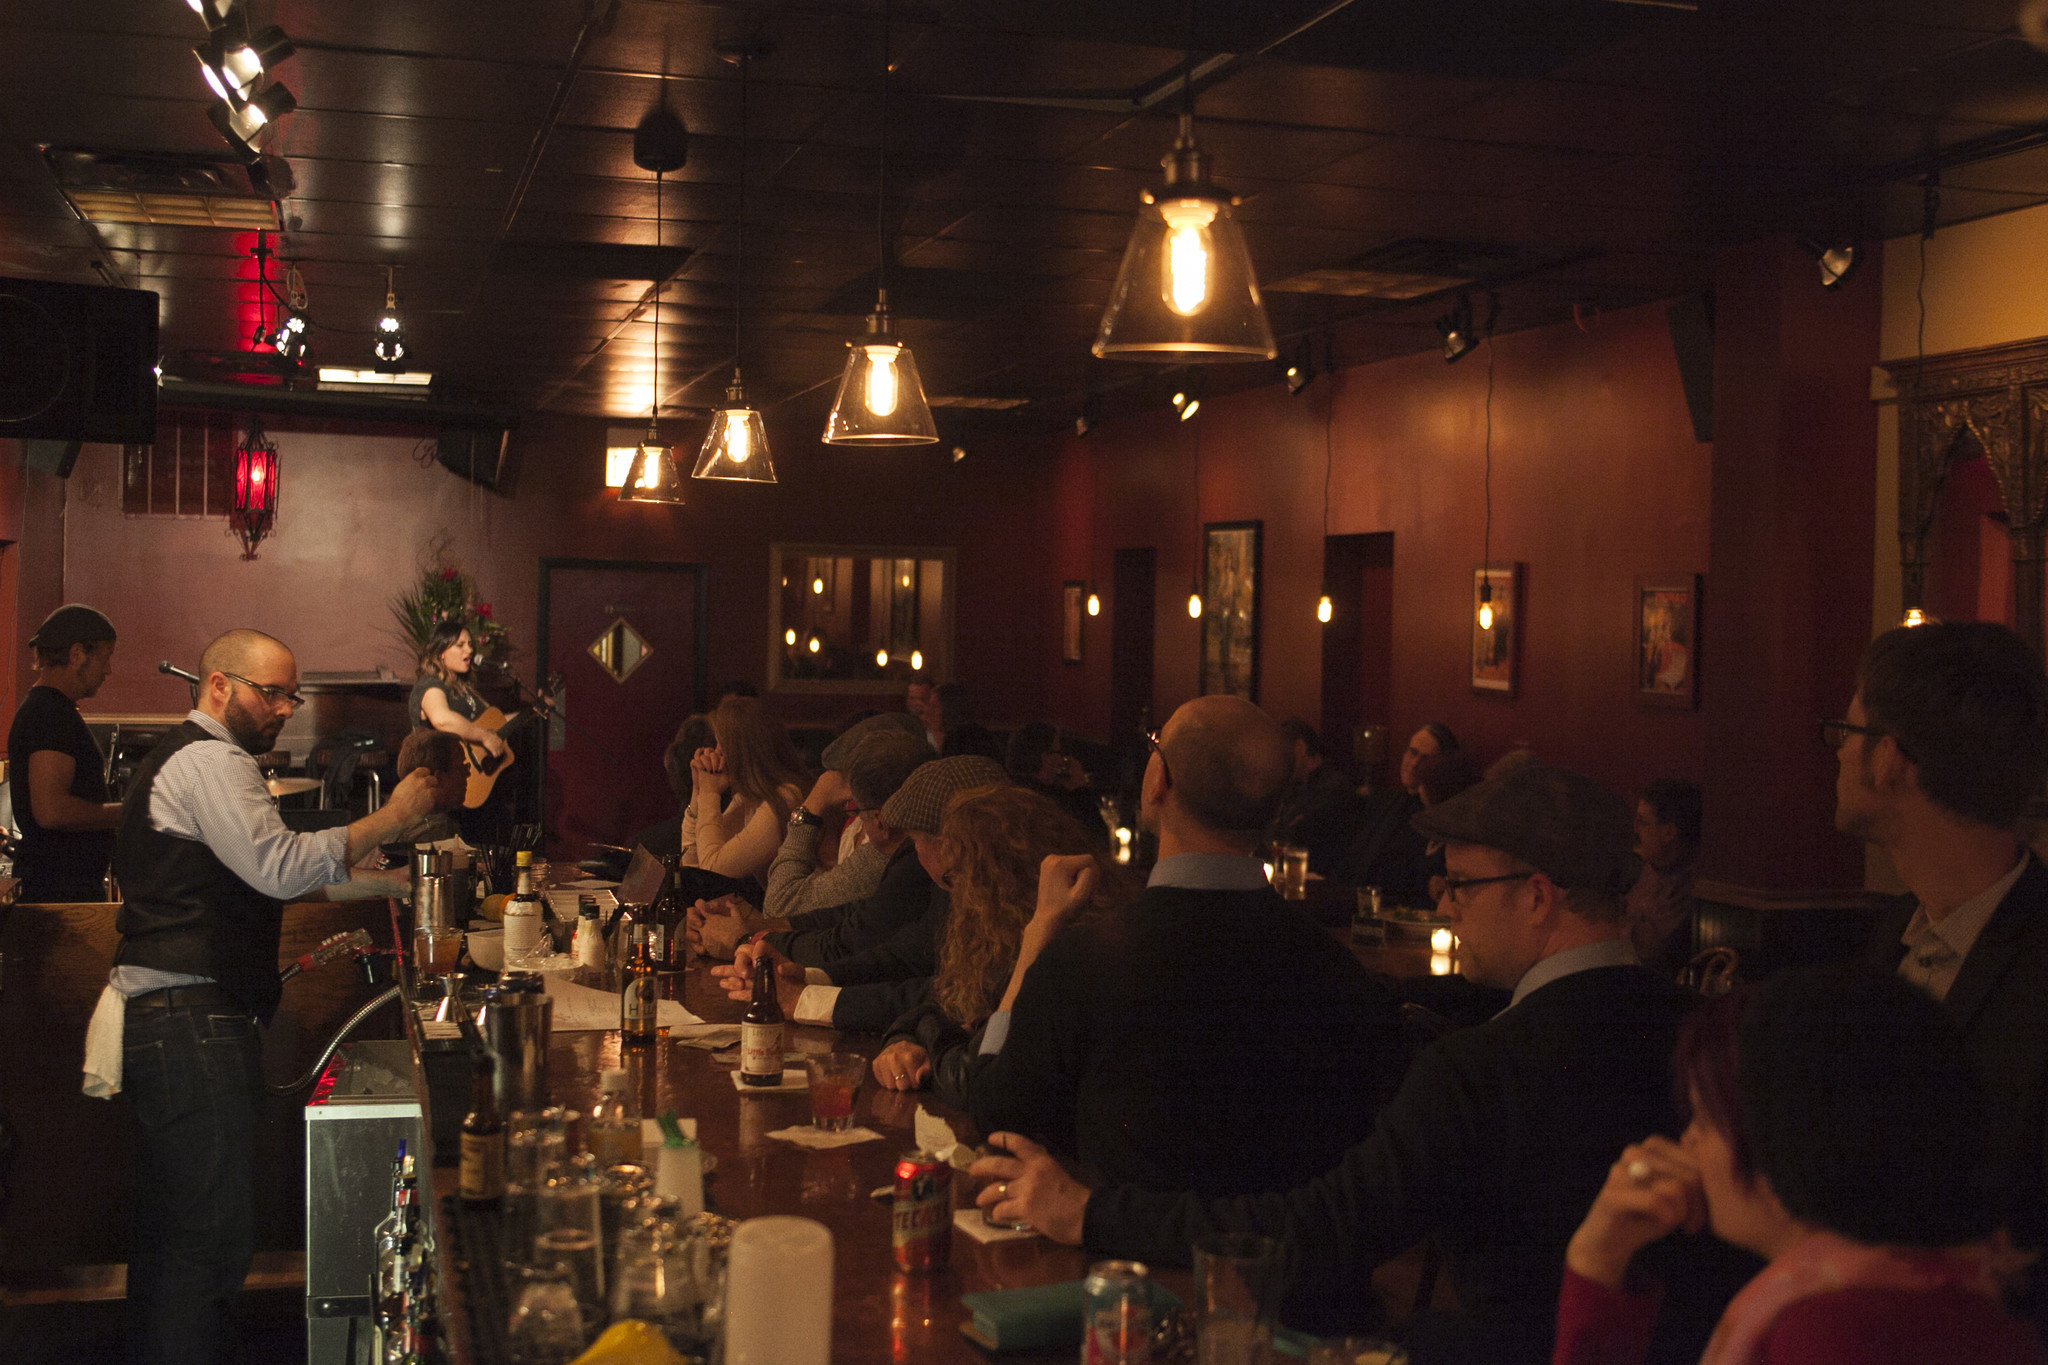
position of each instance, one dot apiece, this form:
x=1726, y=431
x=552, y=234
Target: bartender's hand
x=828, y=793
x=707, y=773
x=1030, y=1185
x=413, y=798
x=903, y=1065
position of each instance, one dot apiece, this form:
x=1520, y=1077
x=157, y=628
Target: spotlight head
x=290, y=339
x=246, y=125
x=1083, y=424
x=959, y=454
x=1180, y=400
x=1837, y=260
x=1460, y=337
x=1190, y=408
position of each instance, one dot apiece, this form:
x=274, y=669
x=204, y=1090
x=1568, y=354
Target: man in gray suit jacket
x=1943, y=745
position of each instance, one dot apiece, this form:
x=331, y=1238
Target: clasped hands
x=1653, y=1190
x=717, y=928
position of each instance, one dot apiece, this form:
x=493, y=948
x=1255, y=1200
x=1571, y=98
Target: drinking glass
x=835, y=1079
x=435, y=951
x=1237, y=1289
x=546, y=1327
x=656, y=1284
x=988, y=1218
x=575, y=1253
x=1356, y=1351
x=1290, y=871
x=1366, y=924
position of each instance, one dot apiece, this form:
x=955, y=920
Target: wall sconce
x=254, y=510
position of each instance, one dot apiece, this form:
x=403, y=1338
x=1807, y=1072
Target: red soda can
x=1118, y=1321
x=922, y=1228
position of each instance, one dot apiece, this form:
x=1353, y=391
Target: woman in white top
x=758, y=767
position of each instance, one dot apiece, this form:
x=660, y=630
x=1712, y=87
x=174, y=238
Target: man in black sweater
x=1501, y=1134
x=1168, y=1044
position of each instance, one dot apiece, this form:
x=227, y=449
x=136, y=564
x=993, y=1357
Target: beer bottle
x=483, y=1141
x=761, y=1029
x=662, y=919
x=639, y=995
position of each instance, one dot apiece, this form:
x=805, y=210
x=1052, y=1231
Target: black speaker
x=476, y=453
x=81, y=362
x=1692, y=338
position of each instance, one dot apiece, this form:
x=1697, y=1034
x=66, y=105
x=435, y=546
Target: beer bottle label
x=483, y=1165
x=761, y=1050
x=639, y=1004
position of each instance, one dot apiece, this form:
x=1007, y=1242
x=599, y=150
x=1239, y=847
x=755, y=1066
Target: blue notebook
x=1044, y=1317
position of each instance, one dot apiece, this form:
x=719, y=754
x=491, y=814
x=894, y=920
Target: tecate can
x=1118, y=1325
x=922, y=1230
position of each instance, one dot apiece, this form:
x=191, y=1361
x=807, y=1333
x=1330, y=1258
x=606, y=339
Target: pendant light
x=1186, y=290
x=881, y=399
x=1195, y=605
x=1325, y=608
x=1486, y=544
x=736, y=447
x=653, y=476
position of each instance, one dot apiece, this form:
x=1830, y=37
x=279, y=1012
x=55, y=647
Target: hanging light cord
x=654, y=406
x=882, y=180
x=1329, y=421
x=739, y=277
x=1486, y=543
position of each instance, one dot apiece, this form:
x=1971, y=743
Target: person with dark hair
x=666, y=836
x=1166, y=1043
x=971, y=737
x=1838, y=1132
x=1660, y=904
x=1500, y=1134
x=1944, y=742
x=443, y=696
x=1385, y=851
x=740, y=687
x=1036, y=762
x=440, y=755
x=58, y=775
x=1322, y=806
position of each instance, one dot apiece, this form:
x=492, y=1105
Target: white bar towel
x=103, y=1045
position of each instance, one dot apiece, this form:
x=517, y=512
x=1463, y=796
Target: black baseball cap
x=71, y=624
x=1565, y=825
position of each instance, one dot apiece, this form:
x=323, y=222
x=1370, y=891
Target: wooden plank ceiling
x=1594, y=152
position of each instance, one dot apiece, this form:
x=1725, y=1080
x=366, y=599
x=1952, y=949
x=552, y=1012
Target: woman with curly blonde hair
x=993, y=842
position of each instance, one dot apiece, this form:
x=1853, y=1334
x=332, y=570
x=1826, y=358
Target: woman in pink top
x=1838, y=1133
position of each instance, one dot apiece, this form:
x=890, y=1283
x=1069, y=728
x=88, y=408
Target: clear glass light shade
x=735, y=448
x=881, y=399
x=653, y=476
x=1186, y=290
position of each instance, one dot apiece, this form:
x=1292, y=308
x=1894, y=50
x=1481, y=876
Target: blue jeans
x=194, y=1072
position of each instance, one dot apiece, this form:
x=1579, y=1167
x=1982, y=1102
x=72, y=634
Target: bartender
x=206, y=866
x=57, y=773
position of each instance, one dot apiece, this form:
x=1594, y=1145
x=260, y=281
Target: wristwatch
x=800, y=817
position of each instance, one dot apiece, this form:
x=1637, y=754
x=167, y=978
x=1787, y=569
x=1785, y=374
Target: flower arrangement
x=445, y=593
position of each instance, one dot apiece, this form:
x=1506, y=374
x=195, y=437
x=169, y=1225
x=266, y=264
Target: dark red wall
x=1596, y=478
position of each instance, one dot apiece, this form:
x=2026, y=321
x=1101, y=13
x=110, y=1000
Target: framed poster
x=1230, y=608
x=1497, y=648
x=1072, y=594
x=1667, y=624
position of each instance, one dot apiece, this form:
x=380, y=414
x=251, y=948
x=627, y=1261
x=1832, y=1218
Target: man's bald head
x=1229, y=764
x=241, y=651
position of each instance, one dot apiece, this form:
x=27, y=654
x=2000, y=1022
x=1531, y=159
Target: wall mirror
x=859, y=618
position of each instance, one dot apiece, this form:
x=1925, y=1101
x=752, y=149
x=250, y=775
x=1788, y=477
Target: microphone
x=166, y=666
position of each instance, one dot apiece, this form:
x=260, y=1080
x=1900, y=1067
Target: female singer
x=443, y=697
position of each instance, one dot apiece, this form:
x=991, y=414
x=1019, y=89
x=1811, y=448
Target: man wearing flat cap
x=1500, y=1135
x=58, y=774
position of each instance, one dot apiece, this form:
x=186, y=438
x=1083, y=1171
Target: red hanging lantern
x=255, y=506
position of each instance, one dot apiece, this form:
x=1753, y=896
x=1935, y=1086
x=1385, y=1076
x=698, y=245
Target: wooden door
x=627, y=639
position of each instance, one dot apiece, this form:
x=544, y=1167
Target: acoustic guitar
x=484, y=770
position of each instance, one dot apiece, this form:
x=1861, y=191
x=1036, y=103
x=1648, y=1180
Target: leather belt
x=171, y=997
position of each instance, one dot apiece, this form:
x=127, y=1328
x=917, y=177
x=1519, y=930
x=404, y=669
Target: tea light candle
x=1439, y=964
x=1441, y=941
x=1123, y=844
x=778, y=1293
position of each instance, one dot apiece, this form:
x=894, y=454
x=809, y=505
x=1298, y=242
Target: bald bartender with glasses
x=206, y=866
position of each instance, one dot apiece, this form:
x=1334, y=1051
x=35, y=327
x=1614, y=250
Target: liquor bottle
x=661, y=916
x=397, y=1248
x=589, y=934
x=614, y=1121
x=522, y=917
x=639, y=994
x=761, y=1029
x=483, y=1141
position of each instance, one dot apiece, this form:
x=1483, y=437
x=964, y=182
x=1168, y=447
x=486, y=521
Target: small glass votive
x=1366, y=925
x=835, y=1080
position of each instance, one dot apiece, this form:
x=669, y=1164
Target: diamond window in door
x=620, y=650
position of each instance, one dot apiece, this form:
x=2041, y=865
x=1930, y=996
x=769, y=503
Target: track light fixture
x=1455, y=327
x=389, y=345
x=1300, y=370
x=245, y=126
x=233, y=60
x=1837, y=260
x=290, y=339
x=214, y=12
x=1186, y=404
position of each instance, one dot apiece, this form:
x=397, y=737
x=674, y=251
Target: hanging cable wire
x=739, y=272
x=882, y=187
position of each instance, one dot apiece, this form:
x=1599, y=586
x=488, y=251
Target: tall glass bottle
x=398, y=1249
x=523, y=917
x=639, y=994
x=483, y=1141
x=615, y=1121
x=761, y=1029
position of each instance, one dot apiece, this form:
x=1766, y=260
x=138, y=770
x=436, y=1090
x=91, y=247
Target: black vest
x=183, y=910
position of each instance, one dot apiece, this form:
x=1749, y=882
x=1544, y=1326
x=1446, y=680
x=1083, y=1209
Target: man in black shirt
x=56, y=772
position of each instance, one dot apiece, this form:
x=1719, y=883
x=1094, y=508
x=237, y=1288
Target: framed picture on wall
x=1497, y=646
x=1072, y=594
x=1667, y=654
x=1230, y=608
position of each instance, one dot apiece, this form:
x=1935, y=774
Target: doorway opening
x=1358, y=649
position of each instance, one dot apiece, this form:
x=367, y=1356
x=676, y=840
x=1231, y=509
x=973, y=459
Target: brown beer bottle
x=483, y=1141
x=639, y=994
x=761, y=1029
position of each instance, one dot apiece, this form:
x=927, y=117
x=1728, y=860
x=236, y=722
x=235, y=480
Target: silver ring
x=1640, y=1171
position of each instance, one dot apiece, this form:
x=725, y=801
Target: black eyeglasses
x=271, y=695
x=1455, y=887
x=1835, y=733
x=1153, y=746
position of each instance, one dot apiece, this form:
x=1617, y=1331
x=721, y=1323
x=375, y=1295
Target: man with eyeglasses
x=206, y=866
x=1944, y=743
x=1501, y=1134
